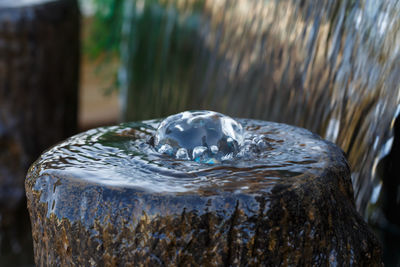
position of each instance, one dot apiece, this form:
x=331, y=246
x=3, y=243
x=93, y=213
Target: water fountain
x=198, y=188
x=330, y=66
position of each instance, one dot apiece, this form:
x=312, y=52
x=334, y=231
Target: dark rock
x=239, y=216
x=39, y=66
x=384, y=215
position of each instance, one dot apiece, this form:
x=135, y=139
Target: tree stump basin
x=105, y=197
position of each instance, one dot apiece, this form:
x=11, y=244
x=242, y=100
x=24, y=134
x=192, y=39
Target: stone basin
x=106, y=198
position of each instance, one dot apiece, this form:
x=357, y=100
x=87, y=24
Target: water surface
x=124, y=156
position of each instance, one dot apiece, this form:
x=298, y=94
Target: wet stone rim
x=123, y=156
x=77, y=221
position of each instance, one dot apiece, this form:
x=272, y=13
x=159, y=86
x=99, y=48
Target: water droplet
x=198, y=152
x=214, y=149
x=182, y=154
x=166, y=149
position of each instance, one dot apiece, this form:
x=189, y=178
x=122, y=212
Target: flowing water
x=125, y=156
x=332, y=67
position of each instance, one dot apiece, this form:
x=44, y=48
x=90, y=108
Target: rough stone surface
x=306, y=221
x=39, y=66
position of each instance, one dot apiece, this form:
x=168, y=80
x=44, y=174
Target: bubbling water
x=124, y=156
x=206, y=137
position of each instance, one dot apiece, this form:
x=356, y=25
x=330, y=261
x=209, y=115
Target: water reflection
x=330, y=66
x=203, y=136
x=123, y=156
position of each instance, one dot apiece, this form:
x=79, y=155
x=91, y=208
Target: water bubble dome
x=203, y=136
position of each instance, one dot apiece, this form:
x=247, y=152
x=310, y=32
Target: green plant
x=104, y=33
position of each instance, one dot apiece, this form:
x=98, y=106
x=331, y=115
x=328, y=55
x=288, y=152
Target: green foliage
x=160, y=40
x=105, y=29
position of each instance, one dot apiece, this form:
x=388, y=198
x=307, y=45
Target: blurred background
x=331, y=66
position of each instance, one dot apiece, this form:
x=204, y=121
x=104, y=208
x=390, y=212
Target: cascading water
x=329, y=66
